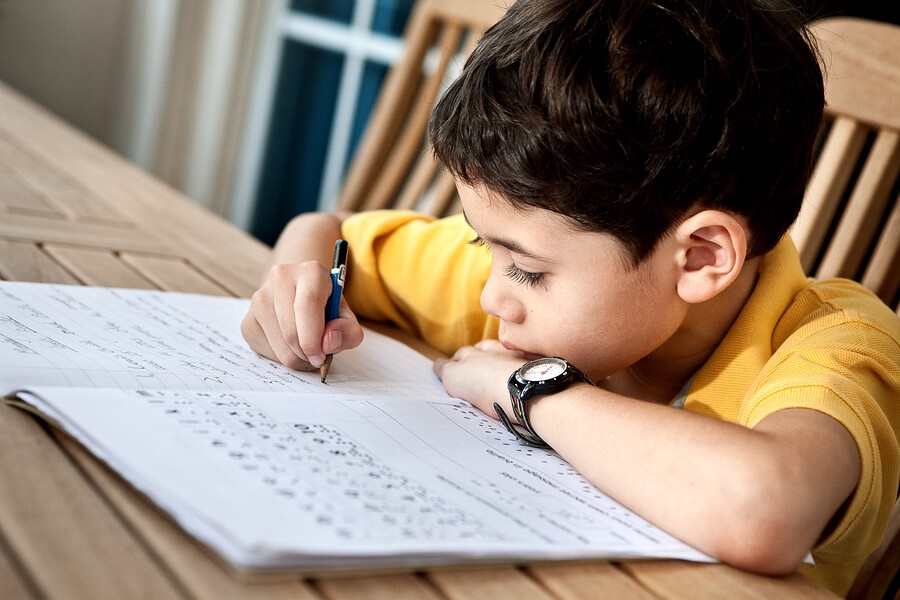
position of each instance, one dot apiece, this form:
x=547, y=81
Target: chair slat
x=863, y=214
x=392, y=166
x=422, y=176
x=410, y=141
x=882, y=275
x=445, y=200
x=834, y=167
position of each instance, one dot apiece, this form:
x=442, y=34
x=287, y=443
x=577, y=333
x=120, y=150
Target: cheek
x=610, y=333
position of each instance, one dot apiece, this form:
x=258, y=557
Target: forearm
x=309, y=236
x=756, y=498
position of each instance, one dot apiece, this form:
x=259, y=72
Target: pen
x=338, y=275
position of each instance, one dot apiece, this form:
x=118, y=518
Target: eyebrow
x=509, y=244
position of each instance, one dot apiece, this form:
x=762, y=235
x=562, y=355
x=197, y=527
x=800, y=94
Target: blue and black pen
x=333, y=306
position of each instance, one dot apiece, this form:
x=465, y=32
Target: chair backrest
x=849, y=225
x=393, y=167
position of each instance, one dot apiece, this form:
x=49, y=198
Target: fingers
x=265, y=332
x=286, y=320
x=259, y=342
x=304, y=328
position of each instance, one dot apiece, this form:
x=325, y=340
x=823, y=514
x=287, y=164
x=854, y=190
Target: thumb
x=341, y=334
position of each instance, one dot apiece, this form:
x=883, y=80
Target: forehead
x=532, y=231
x=485, y=209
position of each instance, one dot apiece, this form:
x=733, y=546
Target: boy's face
x=570, y=293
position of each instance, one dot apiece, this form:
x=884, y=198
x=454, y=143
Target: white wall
x=180, y=87
x=68, y=56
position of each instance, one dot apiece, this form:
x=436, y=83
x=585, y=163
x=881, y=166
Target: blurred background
x=252, y=108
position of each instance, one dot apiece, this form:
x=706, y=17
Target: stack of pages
x=274, y=470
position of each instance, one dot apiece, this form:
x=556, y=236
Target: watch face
x=542, y=369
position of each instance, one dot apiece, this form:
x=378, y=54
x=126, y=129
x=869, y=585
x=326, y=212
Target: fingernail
x=335, y=339
x=316, y=361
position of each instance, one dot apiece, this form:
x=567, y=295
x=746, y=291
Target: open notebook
x=274, y=470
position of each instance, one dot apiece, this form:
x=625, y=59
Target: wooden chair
x=849, y=225
x=393, y=166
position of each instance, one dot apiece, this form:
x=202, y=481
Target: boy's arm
x=286, y=319
x=758, y=498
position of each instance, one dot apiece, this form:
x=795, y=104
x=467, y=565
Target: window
x=335, y=55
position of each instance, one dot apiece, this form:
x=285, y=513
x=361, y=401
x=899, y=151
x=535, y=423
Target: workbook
x=273, y=470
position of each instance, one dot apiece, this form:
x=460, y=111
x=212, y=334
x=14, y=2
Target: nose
x=498, y=300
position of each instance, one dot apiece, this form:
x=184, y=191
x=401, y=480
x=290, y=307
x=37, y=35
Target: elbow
x=764, y=548
x=764, y=531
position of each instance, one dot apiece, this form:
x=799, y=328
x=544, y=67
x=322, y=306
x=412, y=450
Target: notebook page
x=323, y=482
x=74, y=336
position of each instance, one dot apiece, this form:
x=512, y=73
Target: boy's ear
x=712, y=248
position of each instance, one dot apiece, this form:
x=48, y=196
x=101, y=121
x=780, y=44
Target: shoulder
x=838, y=311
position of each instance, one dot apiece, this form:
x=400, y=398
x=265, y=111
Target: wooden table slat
x=61, y=543
x=586, y=581
x=16, y=197
x=98, y=267
x=173, y=274
x=386, y=587
x=46, y=185
x=25, y=227
x=494, y=584
x=689, y=581
x=26, y=261
x=72, y=200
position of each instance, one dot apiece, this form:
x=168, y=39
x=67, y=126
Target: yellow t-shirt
x=829, y=345
x=420, y=274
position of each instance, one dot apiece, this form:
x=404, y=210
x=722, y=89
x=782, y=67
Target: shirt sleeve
x=420, y=274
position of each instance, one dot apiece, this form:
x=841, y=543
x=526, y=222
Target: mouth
x=525, y=354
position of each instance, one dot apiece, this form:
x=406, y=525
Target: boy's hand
x=286, y=320
x=478, y=374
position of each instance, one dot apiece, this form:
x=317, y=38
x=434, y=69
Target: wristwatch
x=536, y=378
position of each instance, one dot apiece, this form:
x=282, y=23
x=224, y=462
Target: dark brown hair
x=625, y=115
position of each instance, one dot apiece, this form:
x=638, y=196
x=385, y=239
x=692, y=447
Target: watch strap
x=528, y=436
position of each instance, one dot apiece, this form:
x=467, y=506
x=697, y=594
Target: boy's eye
x=477, y=241
x=524, y=277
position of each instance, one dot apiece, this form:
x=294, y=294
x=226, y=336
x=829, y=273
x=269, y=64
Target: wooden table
x=73, y=212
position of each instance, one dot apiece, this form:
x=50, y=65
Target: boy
x=632, y=167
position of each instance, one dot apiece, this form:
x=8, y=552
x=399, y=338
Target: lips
x=513, y=348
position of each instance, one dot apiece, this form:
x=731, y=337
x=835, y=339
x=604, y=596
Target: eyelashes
x=524, y=277
x=518, y=275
